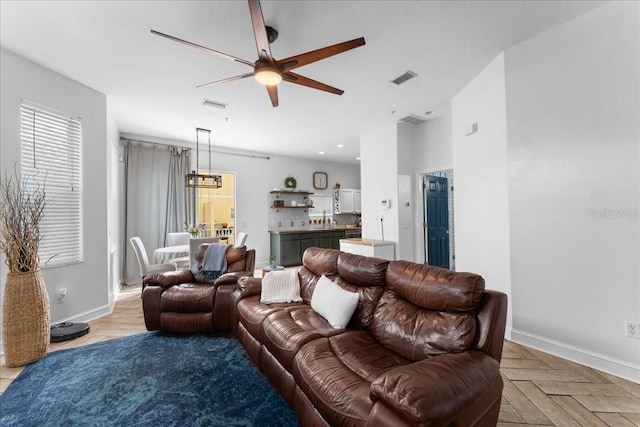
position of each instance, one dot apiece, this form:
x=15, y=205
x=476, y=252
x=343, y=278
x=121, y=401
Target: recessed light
x=340, y=145
x=357, y=158
x=320, y=152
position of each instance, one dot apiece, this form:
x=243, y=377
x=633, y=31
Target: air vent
x=214, y=104
x=404, y=77
x=412, y=119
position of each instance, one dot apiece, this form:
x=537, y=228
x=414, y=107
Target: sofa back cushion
x=427, y=310
x=365, y=275
x=235, y=261
x=355, y=273
x=316, y=262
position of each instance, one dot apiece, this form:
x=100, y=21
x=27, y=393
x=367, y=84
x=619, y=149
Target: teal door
x=436, y=210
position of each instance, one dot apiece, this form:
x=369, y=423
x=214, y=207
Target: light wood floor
x=540, y=389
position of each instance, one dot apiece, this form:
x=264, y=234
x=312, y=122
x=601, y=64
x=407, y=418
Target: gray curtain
x=151, y=188
x=177, y=203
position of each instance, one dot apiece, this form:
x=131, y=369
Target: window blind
x=50, y=152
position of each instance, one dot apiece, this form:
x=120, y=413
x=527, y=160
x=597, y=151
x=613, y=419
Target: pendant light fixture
x=209, y=180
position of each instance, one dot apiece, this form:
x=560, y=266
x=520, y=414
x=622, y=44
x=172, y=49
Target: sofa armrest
x=492, y=320
x=433, y=391
x=169, y=278
x=249, y=286
x=232, y=278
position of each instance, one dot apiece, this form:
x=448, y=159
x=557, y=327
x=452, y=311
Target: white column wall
x=481, y=208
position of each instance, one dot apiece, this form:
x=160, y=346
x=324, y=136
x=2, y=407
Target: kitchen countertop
x=312, y=230
x=366, y=242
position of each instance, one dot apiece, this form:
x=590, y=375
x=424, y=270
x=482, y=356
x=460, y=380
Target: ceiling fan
x=269, y=71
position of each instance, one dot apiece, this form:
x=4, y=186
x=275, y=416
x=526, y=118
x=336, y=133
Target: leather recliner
x=178, y=301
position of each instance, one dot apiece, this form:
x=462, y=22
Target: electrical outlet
x=632, y=329
x=60, y=295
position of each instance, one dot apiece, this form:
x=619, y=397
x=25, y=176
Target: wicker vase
x=25, y=318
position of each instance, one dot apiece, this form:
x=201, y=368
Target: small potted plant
x=272, y=261
x=25, y=311
x=196, y=230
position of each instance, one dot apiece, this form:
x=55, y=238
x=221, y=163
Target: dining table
x=167, y=253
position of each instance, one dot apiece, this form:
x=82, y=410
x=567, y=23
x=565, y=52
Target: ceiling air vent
x=404, y=77
x=412, y=119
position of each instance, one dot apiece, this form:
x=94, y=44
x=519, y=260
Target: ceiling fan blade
x=260, y=32
x=273, y=94
x=197, y=46
x=318, y=54
x=305, y=81
x=229, y=79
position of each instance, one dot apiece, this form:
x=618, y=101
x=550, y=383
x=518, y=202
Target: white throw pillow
x=280, y=286
x=334, y=303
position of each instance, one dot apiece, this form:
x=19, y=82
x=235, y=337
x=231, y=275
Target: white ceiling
x=151, y=82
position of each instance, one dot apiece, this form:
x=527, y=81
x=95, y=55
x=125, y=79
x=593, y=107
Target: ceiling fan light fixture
x=268, y=76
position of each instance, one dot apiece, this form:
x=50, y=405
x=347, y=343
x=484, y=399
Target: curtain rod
x=254, y=156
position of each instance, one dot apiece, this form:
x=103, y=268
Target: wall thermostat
x=386, y=204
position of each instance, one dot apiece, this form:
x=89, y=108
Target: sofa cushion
x=335, y=373
x=188, y=298
x=416, y=333
x=334, y=303
x=364, y=275
x=287, y=330
x=251, y=313
x=315, y=263
x=435, y=288
x=280, y=286
x=235, y=257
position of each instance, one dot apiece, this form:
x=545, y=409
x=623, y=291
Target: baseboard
x=619, y=368
x=85, y=317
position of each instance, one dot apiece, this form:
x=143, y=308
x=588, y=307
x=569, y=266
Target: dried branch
x=22, y=203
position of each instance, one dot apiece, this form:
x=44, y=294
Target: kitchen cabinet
x=289, y=246
x=347, y=201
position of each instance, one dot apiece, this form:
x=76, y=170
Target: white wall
x=573, y=131
x=379, y=176
x=435, y=150
x=86, y=282
x=481, y=209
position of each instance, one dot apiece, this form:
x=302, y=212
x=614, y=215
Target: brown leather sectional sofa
x=423, y=347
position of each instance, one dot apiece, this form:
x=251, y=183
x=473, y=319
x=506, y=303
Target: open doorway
x=438, y=219
x=216, y=209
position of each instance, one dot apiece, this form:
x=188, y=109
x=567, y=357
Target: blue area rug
x=150, y=379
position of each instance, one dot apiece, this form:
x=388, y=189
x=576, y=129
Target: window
x=50, y=151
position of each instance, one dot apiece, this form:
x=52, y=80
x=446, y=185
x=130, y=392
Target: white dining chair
x=241, y=240
x=177, y=239
x=147, y=269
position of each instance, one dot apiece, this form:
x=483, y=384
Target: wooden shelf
x=306, y=193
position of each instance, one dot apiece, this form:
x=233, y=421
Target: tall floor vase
x=25, y=318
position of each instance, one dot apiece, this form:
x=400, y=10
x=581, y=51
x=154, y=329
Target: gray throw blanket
x=214, y=261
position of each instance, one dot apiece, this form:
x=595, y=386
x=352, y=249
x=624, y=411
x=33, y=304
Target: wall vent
x=412, y=119
x=404, y=77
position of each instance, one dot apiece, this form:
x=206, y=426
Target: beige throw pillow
x=334, y=303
